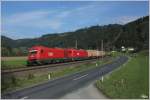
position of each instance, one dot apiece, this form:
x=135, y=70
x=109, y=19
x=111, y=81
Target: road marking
x=25, y=97
x=80, y=77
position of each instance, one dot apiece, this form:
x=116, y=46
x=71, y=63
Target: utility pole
x=102, y=48
x=97, y=52
x=76, y=45
x=113, y=51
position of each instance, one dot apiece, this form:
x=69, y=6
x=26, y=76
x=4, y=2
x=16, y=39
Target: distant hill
x=134, y=34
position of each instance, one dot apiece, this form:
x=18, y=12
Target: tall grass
x=131, y=81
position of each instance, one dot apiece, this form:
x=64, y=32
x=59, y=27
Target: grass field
x=131, y=81
x=13, y=62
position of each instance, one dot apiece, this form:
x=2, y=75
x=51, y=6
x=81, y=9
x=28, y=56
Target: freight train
x=39, y=55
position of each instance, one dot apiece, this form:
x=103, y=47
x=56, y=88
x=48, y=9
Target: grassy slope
x=131, y=81
x=13, y=62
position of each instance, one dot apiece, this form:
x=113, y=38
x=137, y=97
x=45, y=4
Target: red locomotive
x=44, y=55
x=76, y=54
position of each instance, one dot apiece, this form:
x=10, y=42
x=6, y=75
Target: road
x=59, y=87
x=89, y=91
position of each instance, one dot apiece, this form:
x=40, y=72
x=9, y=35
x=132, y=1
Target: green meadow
x=13, y=62
x=130, y=81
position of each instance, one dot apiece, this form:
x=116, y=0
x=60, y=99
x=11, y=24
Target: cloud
x=39, y=19
x=64, y=14
x=36, y=19
x=26, y=16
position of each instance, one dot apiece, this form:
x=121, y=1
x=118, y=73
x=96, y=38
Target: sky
x=31, y=19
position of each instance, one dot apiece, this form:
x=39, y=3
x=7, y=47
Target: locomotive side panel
x=82, y=54
x=44, y=55
x=76, y=54
x=71, y=53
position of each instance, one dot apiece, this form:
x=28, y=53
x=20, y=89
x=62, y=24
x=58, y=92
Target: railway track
x=50, y=66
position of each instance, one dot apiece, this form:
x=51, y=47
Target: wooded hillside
x=134, y=34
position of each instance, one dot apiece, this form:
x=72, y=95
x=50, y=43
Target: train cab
x=34, y=54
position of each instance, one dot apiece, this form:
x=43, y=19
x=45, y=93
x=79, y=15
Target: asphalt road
x=89, y=91
x=59, y=87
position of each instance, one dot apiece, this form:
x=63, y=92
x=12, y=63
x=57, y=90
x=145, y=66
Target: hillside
x=134, y=34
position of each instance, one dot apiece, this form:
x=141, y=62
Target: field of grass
x=12, y=83
x=130, y=81
x=13, y=62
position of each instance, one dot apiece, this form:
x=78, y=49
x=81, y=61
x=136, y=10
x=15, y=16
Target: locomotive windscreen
x=32, y=51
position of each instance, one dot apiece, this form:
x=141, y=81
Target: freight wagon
x=95, y=53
